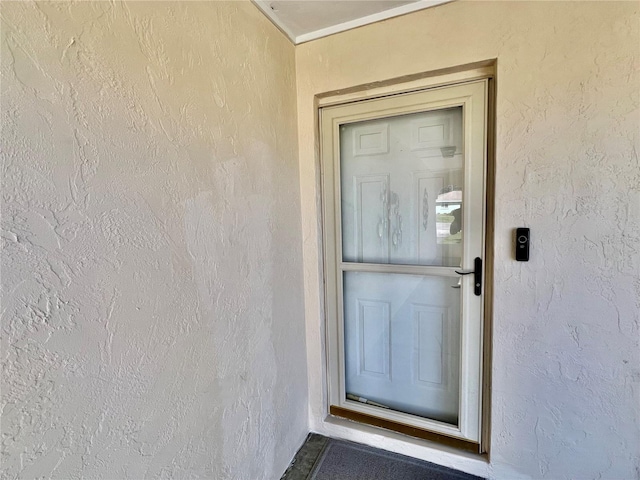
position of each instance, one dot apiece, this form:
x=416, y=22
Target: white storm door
x=404, y=205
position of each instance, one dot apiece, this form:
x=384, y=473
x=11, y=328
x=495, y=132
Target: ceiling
x=305, y=20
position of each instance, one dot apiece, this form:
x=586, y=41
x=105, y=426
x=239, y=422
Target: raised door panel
x=371, y=140
x=438, y=133
x=373, y=337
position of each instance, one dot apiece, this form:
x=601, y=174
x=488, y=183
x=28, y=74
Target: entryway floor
x=323, y=458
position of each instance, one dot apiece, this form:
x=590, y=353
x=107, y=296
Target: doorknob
x=477, y=275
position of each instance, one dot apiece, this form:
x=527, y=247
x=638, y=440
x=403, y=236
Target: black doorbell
x=522, y=244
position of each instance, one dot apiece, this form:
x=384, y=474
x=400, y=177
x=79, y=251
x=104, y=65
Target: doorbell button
x=522, y=244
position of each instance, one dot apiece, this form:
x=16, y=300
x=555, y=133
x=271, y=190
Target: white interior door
x=404, y=183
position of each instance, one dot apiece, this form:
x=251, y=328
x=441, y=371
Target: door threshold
x=409, y=430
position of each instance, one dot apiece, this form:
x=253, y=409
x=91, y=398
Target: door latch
x=477, y=275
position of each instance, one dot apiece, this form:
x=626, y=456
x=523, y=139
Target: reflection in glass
x=449, y=216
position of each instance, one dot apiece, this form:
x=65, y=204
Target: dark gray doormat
x=322, y=458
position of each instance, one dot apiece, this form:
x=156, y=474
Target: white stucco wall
x=152, y=294
x=566, y=357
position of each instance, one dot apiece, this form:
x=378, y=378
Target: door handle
x=477, y=275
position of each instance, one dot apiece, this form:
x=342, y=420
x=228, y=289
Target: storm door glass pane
x=401, y=181
x=402, y=342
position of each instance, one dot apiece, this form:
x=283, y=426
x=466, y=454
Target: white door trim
x=473, y=96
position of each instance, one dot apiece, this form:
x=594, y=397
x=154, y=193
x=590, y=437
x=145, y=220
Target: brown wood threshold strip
x=405, y=429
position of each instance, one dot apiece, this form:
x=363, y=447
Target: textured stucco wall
x=151, y=264
x=566, y=364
